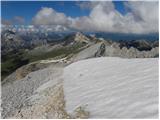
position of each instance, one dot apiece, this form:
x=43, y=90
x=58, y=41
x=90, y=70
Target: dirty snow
x=113, y=87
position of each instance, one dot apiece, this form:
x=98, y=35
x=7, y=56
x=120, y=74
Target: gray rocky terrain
x=38, y=95
x=36, y=89
x=16, y=93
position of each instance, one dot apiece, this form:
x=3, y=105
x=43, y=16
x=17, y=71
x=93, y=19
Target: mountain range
x=20, y=49
x=36, y=66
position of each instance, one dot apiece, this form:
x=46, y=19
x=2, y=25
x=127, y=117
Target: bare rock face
x=79, y=37
x=11, y=41
x=114, y=50
x=101, y=51
x=141, y=45
x=155, y=52
x=95, y=50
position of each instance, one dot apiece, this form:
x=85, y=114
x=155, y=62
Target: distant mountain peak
x=79, y=37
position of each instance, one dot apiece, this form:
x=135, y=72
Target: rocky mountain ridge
x=78, y=46
x=37, y=87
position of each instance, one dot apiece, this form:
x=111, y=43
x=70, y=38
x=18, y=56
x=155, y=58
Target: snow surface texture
x=113, y=87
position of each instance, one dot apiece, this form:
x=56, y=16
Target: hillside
x=17, y=51
x=79, y=59
x=102, y=87
x=33, y=79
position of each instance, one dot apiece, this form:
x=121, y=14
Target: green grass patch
x=12, y=61
x=64, y=51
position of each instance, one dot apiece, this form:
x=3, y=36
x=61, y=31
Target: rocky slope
x=75, y=47
x=78, y=47
x=38, y=95
x=104, y=48
x=36, y=89
x=15, y=94
x=137, y=48
x=45, y=93
x=15, y=54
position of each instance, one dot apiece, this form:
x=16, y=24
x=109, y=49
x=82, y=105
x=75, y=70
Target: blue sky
x=138, y=17
x=28, y=9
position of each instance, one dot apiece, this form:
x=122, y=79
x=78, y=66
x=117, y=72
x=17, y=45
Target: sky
x=106, y=16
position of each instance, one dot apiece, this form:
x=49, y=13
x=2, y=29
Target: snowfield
x=113, y=87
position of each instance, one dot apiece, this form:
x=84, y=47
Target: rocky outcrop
x=11, y=41
x=95, y=50
x=79, y=37
x=105, y=48
x=141, y=45
x=101, y=51
x=76, y=38
x=131, y=52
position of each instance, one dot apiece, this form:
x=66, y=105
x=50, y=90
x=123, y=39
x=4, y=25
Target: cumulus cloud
x=48, y=16
x=142, y=17
x=102, y=18
x=16, y=20
x=86, y=5
x=145, y=15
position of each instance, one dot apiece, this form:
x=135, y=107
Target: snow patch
x=113, y=87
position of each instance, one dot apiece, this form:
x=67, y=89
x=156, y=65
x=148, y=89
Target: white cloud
x=141, y=18
x=86, y=5
x=145, y=14
x=17, y=20
x=48, y=16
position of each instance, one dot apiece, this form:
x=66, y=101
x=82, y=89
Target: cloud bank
x=17, y=20
x=48, y=16
x=141, y=18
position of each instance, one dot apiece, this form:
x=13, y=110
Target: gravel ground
x=15, y=94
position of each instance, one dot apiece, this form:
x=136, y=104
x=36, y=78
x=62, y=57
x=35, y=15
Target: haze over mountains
x=48, y=29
